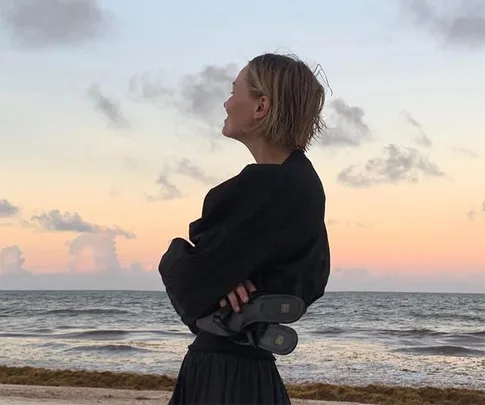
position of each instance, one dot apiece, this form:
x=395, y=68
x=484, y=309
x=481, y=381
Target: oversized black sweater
x=266, y=224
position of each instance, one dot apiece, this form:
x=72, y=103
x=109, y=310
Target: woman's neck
x=265, y=153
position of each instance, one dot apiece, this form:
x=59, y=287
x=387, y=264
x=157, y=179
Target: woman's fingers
x=233, y=300
x=239, y=295
x=249, y=286
x=242, y=293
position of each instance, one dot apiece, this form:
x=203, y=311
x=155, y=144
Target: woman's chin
x=225, y=131
x=229, y=132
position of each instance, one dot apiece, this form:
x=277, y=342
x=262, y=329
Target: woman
x=260, y=230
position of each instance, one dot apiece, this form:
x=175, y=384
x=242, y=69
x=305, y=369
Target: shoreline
x=148, y=385
x=33, y=395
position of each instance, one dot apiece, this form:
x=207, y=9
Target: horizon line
x=326, y=292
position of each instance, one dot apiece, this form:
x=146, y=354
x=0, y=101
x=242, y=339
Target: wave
x=52, y=345
x=448, y=316
x=332, y=331
x=424, y=332
x=20, y=335
x=98, y=334
x=108, y=334
x=455, y=351
x=43, y=330
x=418, y=332
x=464, y=338
x=108, y=348
x=391, y=332
x=116, y=334
x=93, y=311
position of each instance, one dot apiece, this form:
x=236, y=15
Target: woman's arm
x=197, y=277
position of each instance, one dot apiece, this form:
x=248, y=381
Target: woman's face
x=240, y=108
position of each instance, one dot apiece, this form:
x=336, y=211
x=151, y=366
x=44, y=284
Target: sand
x=30, y=395
x=28, y=385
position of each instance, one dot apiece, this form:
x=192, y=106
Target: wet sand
x=36, y=395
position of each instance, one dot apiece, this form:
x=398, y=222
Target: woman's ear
x=262, y=108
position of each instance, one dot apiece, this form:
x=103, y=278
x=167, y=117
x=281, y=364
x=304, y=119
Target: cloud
x=12, y=261
x=94, y=252
x=347, y=126
x=130, y=162
x=360, y=279
x=423, y=139
x=168, y=190
x=108, y=107
x=186, y=168
x=56, y=221
x=114, y=192
x=129, y=279
x=147, y=87
x=204, y=93
x=399, y=164
x=200, y=95
x=466, y=152
x=456, y=22
x=93, y=265
x=7, y=209
x=471, y=215
x=48, y=23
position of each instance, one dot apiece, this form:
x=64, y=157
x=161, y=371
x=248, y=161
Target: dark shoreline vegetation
x=373, y=394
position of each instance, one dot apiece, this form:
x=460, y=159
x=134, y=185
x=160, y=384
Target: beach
x=30, y=395
x=70, y=387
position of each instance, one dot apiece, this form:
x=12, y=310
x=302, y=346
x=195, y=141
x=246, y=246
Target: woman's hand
x=239, y=294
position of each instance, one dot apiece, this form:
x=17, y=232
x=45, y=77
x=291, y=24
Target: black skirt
x=218, y=376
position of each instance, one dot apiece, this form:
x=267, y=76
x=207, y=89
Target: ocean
x=345, y=338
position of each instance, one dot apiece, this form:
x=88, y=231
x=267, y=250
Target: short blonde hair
x=296, y=99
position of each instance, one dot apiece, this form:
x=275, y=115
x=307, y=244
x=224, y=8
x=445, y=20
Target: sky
x=110, y=119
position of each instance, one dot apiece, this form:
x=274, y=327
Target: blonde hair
x=296, y=99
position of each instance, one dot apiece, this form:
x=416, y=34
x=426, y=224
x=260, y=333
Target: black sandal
x=274, y=338
x=265, y=312
x=264, y=308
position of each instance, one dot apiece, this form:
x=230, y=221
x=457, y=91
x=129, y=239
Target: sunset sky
x=110, y=118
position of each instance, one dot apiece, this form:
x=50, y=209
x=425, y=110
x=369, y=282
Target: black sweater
x=266, y=224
